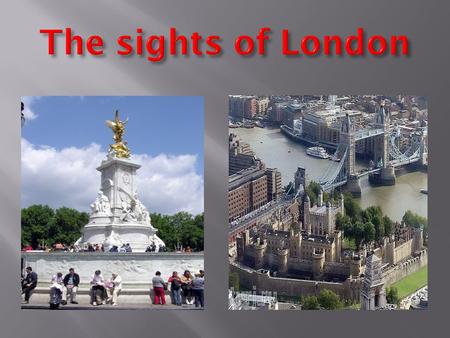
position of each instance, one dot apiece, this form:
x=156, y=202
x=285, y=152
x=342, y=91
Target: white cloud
x=68, y=177
x=27, y=111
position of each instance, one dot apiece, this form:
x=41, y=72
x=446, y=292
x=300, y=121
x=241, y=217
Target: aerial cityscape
x=327, y=199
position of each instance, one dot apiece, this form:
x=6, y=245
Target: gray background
x=26, y=69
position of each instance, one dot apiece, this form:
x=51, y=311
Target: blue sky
x=157, y=124
x=65, y=139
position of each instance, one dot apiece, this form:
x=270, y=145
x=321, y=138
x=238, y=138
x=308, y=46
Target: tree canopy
x=329, y=300
x=41, y=225
x=363, y=225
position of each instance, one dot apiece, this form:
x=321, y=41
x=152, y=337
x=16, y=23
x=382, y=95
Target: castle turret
x=320, y=198
x=295, y=243
x=259, y=250
x=355, y=266
x=417, y=239
x=318, y=260
x=282, y=260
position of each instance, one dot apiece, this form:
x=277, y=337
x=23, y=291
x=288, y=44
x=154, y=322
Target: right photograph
x=327, y=201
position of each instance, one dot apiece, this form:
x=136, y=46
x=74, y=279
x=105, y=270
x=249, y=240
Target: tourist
x=58, y=278
x=29, y=283
x=98, y=286
x=198, y=287
x=71, y=281
x=114, y=248
x=123, y=248
x=158, y=289
x=148, y=249
x=175, y=288
x=90, y=247
x=128, y=248
x=186, y=286
x=114, y=288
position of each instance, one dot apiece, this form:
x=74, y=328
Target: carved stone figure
x=101, y=204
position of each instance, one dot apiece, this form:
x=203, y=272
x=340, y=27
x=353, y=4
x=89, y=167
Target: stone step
x=85, y=290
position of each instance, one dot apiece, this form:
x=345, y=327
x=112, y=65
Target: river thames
x=277, y=151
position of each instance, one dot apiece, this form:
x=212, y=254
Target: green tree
x=412, y=219
x=392, y=295
x=310, y=303
x=388, y=226
x=358, y=233
x=35, y=221
x=369, y=232
x=352, y=208
x=329, y=300
x=180, y=229
x=66, y=225
x=312, y=190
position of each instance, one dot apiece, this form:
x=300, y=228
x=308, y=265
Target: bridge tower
x=381, y=148
x=381, y=144
x=348, y=141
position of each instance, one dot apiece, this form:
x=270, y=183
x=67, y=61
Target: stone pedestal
x=388, y=176
x=118, y=217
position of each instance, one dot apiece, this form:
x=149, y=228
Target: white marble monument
x=118, y=216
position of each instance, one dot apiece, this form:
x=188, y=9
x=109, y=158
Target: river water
x=277, y=151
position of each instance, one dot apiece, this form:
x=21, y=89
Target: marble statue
x=101, y=204
x=118, y=216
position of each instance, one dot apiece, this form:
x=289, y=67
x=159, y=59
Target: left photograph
x=112, y=202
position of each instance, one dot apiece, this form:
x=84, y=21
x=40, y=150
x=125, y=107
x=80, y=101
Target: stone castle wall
x=403, y=251
x=349, y=289
x=290, y=287
x=402, y=270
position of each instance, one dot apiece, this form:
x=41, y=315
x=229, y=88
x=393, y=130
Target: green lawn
x=413, y=282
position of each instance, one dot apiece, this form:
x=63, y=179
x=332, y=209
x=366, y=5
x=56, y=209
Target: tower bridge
x=381, y=142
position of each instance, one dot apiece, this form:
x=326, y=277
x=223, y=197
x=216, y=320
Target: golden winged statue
x=119, y=148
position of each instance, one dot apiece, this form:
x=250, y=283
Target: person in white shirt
x=114, y=286
x=98, y=285
x=57, y=279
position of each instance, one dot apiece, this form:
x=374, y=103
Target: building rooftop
x=244, y=176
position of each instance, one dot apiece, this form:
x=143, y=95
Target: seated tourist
x=58, y=278
x=98, y=288
x=71, y=281
x=29, y=283
x=114, y=286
